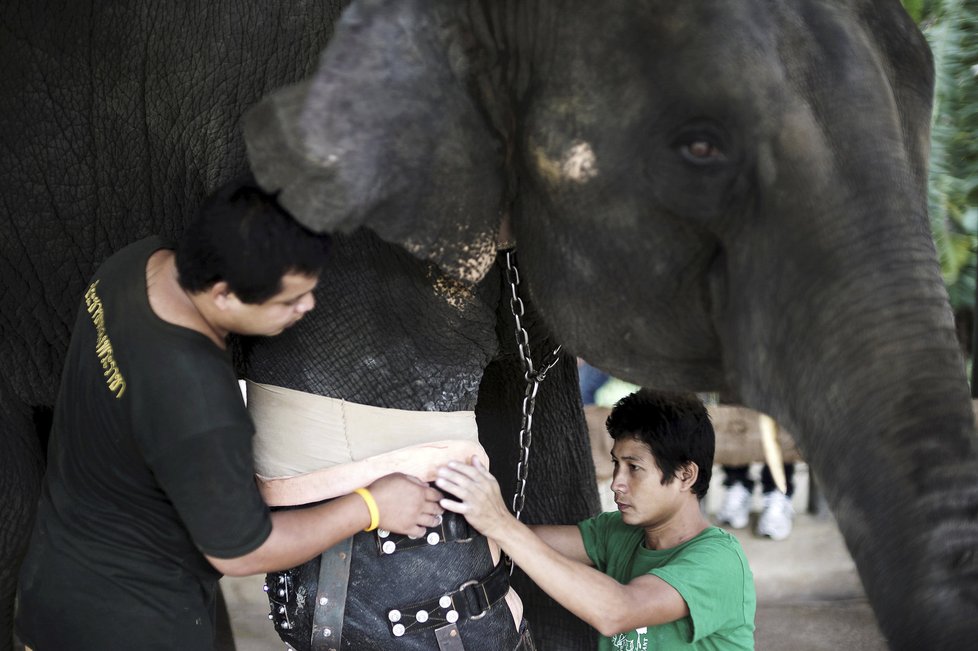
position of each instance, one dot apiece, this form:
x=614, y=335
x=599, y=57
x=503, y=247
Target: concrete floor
x=809, y=596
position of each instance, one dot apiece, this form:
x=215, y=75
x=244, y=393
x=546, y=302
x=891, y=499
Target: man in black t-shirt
x=149, y=494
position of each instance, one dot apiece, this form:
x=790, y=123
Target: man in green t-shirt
x=654, y=575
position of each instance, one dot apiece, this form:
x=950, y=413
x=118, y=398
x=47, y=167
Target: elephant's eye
x=700, y=150
x=701, y=142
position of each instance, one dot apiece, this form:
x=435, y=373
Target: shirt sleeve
x=209, y=478
x=711, y=578
x=594, y=534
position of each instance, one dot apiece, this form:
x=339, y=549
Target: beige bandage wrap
x=310, y=448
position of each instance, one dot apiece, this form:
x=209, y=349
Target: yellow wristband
x=371, y=506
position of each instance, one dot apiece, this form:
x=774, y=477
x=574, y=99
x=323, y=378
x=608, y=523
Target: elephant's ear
x=387, y=134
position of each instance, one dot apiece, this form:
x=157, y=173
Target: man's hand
x=480, y=499
x=407, y=505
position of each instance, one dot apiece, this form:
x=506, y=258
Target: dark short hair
x=241, y=235
x=675, y=427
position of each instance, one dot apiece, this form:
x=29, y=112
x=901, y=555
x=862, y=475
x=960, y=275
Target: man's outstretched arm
x=604, y=603
x=565, y=539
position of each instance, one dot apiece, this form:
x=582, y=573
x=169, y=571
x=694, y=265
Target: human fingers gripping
x=455, y=485
x=471, y=483
x=462, y=497
x=477, y=494
x=474, y=473
x=402, y=488
x=431, y=516
x=425, y=504
x=481, y=469
x=453, y=506
x=432, y=495
x=466, y=469
x=407, y=505
x=434, y=509
x=481, y=475
x=452, y=480
x=429, y=508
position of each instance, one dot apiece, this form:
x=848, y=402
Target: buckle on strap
x=473, y=597
x=451, y=527
x=471, y=600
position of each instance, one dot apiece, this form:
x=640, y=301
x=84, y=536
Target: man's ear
x=688, y=474
x=399, y=130
x=220, y=295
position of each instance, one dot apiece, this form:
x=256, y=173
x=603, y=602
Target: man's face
x=279, y=312
x=637, y=484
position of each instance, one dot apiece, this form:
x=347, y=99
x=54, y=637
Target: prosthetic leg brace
x=441, y=591
x=446, y=590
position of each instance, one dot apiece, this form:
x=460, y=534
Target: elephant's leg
x=21, y=469
x=561, y=485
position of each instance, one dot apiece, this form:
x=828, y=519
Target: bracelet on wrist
x=371, y=506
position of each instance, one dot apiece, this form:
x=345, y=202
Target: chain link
x=532, y=377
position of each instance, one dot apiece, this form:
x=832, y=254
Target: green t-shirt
x=710, y=571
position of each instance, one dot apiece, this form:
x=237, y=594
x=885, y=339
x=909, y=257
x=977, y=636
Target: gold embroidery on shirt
x=103, y=347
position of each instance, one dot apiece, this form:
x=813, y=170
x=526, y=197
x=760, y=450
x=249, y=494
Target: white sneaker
x=735, y=510
x=776, y=518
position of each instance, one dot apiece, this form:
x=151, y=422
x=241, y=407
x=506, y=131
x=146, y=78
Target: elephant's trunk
x=871, y=382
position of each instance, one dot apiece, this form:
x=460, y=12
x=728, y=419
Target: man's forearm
x=564, y=539
x=594, y=597
x=598, y=599
x=299, y=535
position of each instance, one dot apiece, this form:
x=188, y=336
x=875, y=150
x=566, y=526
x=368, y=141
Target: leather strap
x=448, y=638
x=334, y=574
x=471, y=600
x=452, y=527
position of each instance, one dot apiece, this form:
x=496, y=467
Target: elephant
x=139, y=113
x=709, y=196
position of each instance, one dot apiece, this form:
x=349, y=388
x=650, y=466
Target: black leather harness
x=471, y=600
x=451, y=527
x=315, y=622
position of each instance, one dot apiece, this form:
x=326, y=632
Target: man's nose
x=617, y=483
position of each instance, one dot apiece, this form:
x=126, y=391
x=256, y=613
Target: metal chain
x=532, y=377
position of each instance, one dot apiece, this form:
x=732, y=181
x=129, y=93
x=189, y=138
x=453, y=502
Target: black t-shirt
x=150, y=464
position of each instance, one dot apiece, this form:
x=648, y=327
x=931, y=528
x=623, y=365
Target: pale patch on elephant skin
x=454, y=292
x=467, y=262
x=578, y=164
x=803, y=145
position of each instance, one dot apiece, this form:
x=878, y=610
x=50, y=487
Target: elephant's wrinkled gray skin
x=115, y=118
x=705, y=195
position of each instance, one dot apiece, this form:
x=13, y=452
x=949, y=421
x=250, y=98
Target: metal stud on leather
x=451, y=527
x=471, y=600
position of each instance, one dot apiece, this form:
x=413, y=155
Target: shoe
x=776, y=518
x=735, y=510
